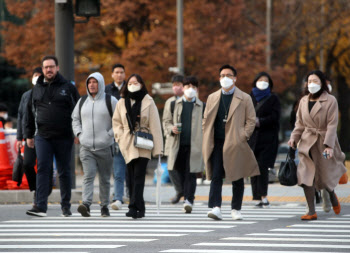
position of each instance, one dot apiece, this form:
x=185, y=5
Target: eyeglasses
x=226, y=75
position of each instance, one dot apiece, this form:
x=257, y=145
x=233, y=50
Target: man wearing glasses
x=228, y=122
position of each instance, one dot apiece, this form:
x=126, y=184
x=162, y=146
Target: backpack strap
x=204, y=104
x=82, y=101
x=109, y=104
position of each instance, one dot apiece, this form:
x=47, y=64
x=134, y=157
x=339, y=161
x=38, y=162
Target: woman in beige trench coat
x=136, y=111
x=321, y=160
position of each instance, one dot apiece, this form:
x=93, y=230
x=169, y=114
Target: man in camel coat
x=228, y=122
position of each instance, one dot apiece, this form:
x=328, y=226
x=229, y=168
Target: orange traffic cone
x=4, y=159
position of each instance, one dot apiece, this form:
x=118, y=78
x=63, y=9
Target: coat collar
x=179, y=101
x=236, y=100
x=146, y=102
x=317, y=107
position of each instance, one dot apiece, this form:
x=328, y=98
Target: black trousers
x=28, y=165
x=215, y=194
x=188, y=179
x=260, y=183
x=137, y=174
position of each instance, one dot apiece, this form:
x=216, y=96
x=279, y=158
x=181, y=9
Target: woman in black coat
x=264, y=140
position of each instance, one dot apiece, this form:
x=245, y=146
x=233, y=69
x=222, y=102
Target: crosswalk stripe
x=196, y=215
x=330, y=221
x=271, y=245
x=232, y=251
x=131, y=221
x=284, y=239
x=90, y=234
x=108, y=230
x=320, y=226
x=61, y=246
x=103, y=226
x=76, y=240
x=270, y=211
x=178, y=219
x=298, y=235
x=310, y=230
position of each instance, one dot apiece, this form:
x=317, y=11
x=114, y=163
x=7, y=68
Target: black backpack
x=108, y=104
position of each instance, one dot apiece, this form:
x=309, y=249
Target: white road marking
x=284, y=239
x=89, y=234
x=103, y=226
x=298, y=235
x=232, y=251
x=76, y=240
x=310, y=230
x=87, y=221
x=270, y=245
x=107, y=230
x=61, y=246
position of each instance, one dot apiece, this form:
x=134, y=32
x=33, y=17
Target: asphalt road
x=274, y=229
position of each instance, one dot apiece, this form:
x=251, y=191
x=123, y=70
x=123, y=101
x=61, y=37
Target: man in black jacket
x=53, y=100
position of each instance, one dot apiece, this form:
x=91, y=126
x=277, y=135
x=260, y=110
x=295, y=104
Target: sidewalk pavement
x=276, y=193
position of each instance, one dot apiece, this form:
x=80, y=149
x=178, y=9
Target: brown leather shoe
x=309, y=217
x=337, y=208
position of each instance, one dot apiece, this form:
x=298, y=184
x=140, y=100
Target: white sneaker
x=215, y=213
x=236, y=215
x=117, y=205
x=187, y=207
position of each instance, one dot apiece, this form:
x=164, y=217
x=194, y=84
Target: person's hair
x=257, y=77
x=50, y=57
x=124, y=91
x=3, y=108
x=177, y=79
x=324, y=86
x=118, y=65
x=191, y=80
x=38, y=70
x=227, y=66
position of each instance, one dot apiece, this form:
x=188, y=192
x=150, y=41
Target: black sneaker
x=84, y=209
x=105, y=211
x=132, y=213
x=36, y=211
x=140, y=214
x=66, y=212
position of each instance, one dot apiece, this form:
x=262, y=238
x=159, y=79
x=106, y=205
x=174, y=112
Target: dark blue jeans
x=218, y=175
x=45, y=150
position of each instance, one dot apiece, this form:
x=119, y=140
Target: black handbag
x=18, y=170
x=287, y=174
x=143, y=140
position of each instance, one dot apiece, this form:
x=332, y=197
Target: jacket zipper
x=93, y=125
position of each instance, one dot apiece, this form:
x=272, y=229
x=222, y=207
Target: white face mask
x=262, y=85
x=226, y=82
x=134, y=88
x=329, y=88
x=313, y=88
x=190, y=92
x=34, y=79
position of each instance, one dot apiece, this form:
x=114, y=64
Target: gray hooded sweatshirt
x=93, y=125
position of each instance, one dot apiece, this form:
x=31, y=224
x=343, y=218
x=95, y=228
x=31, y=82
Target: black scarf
x=134, y=112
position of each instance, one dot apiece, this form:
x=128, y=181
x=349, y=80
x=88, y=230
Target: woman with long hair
x=136, y=111
x=315, y=134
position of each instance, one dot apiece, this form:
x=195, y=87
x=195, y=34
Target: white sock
x=264, y=200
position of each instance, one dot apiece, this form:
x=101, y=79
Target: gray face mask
x=4, y=115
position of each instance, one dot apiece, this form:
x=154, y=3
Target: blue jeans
x=119, y=167
x=45, y=150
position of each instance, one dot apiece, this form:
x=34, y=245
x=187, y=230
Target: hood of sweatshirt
x=101, y=85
